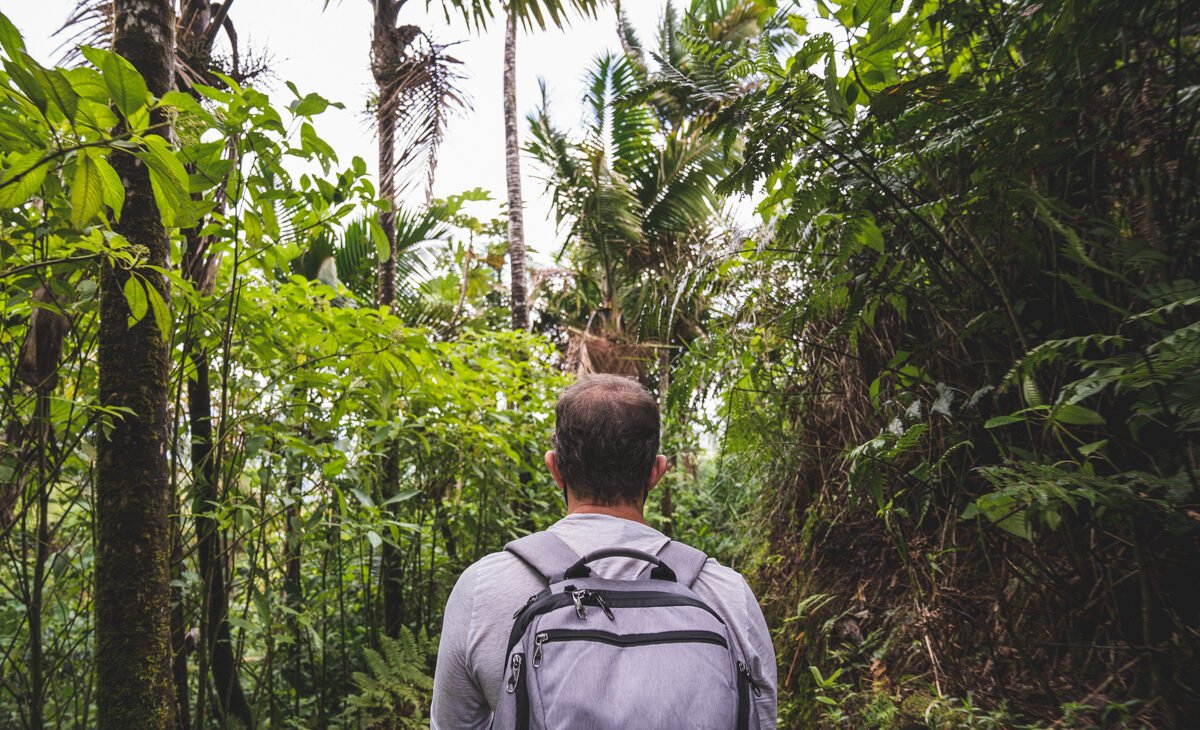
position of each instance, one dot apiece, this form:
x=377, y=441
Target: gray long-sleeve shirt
x=471, y=657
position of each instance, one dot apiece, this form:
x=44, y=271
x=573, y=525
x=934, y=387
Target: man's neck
x=624, y=511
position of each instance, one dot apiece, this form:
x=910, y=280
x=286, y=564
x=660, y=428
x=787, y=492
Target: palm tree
x=637, y=188
x=518, y=11
x=416, y=86
x=512, y=179
x=639, y=198
x=639, y=195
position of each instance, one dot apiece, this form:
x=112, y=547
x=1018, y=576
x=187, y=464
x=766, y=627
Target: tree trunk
x=512, y=175
x=385, y=48
x=386, y=118
x=293, y=590
x=132, y=574
x=37, y=699
x=389, y=560
x=231, y=701
x=179, y=633
x=390, y=557
x=666, y=503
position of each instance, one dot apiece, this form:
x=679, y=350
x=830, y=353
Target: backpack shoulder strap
x=685, y=560
x=546, y=553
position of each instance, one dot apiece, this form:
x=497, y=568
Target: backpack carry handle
x=660, y=571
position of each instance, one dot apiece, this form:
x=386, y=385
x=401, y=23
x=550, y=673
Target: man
x=606, y=461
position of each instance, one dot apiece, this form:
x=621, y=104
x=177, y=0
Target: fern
x=395, y=691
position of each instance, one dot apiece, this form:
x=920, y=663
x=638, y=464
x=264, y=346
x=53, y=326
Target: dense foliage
x=966, y=335
x=308, y=379
x=939, y=399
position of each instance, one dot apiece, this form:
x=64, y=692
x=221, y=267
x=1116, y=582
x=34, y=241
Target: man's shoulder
x=724, y=585
x=498, y=578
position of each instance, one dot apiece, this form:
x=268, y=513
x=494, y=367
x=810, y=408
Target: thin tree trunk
x=390, y=557
x=512, y=175
x=293, y=590
x=132, y=574
x=386, y=119
x=37, y=700
x=179, y=635
x=667, y=503
x=384, y=48
x=231, y=700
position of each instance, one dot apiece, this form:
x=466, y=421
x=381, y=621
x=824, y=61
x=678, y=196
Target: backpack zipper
x=516, y=685
x=537, y=648
x=515, y=676
x=605, y=637
x=586, y=597
x=546, y=602
x=744, y=686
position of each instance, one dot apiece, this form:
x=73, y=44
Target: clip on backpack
x=589, y=653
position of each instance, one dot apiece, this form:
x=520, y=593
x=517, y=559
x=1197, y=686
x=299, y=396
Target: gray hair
x=606, y=437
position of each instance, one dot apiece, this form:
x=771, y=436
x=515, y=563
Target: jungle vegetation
x=939, y=398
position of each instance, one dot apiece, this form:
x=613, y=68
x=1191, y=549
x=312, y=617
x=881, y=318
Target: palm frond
x=198, y=25
x=419, y=88
x=532, y=13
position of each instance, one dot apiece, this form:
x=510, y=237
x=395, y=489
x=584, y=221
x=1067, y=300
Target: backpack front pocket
x=586, y=678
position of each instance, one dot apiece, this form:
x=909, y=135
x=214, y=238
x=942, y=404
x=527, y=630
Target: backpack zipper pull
x=516, y=673
x=749, y=679
x=604, y=605
x=537, y=648
x=580, y=610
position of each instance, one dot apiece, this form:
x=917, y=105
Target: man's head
x=606, y=437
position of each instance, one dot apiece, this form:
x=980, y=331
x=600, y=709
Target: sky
x=327, y=51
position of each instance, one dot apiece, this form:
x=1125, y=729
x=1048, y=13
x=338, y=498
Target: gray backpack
x=589, y=653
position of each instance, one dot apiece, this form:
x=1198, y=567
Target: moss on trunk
x=133, y=641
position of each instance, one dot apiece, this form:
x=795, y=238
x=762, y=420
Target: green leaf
x=28, y=85
x=1076, y=415
x=401, y=497
x=1033, y=396
x=96, y=115
x=184, y=103
x=113, y=190
x=26, y=176
x=1004, y=511
x=1093, y=447
x=125, y=85
x=87, y=191
x=55, y=86
x=999, y=421
x=135, y=297
x=162, y=314
x=310, y=105
x=382, y=247
x=87, y=83
x=374, y=538
x=870, y=236
x=10, y=38
x=168, y=178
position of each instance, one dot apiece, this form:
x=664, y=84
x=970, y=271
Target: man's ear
x=661, y=465
x=552, y=465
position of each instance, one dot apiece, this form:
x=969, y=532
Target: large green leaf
x=169, y=179
x=125, y=85
x=23, y=178
x=87, y=191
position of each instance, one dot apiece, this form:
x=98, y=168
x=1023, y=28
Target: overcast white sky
x=327, y=52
